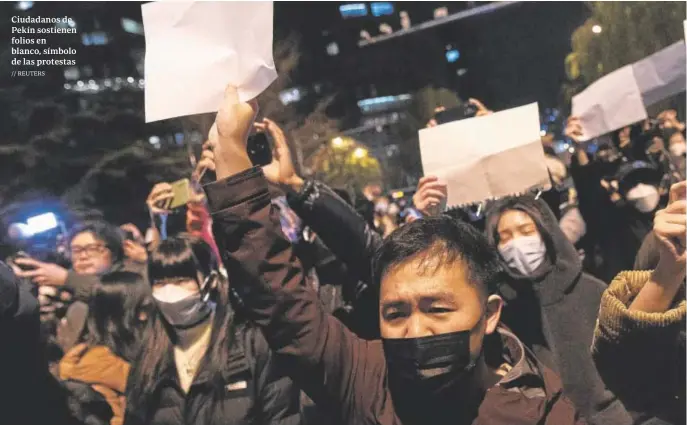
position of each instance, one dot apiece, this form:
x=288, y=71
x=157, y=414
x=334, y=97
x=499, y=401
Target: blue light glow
x=452, y=56
x=41, y=223
x=24, y=5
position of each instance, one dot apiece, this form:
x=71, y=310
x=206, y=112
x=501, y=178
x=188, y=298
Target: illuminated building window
x=24, y=5
x=332, y=49
x=131, y=26
x=353, y=10
x=290, y=95
x=71, y=73
x=382, y=8
x=94, y=39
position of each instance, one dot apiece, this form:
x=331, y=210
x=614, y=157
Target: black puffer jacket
x=554, y=312
x=255, y=391
x=351, y=239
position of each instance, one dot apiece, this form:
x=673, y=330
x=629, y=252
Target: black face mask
x=430, y=365
x=186, y=313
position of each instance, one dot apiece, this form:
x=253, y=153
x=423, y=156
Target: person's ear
x=494, y=306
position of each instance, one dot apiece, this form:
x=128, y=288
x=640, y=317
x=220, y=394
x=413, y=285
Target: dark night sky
x=513, y=56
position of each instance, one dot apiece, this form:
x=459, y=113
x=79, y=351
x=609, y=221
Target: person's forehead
x=85, y=238
x=514, y=218
x=423, y=279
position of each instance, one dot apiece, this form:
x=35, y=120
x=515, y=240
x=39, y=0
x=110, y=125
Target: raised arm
x=642, y=319
x=322, y=355
x=339, y=226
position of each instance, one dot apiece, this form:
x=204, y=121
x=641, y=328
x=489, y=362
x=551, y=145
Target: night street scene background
x=362, y=78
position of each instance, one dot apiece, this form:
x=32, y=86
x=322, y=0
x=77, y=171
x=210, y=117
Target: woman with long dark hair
x=119, y=308
x=200, y=363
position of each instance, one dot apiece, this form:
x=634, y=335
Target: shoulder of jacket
x=250, y=343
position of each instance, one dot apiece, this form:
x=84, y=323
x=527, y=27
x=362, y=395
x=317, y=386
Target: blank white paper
x=662, y=74
x=612, y=102
x=486, y=157
x=195, y=49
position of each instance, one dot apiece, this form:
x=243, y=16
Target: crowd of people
x=270, y=298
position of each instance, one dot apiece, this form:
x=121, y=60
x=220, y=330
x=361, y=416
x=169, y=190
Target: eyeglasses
x=93, y=249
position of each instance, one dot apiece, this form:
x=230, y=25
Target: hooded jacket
x=554, y=311
x=103, y=370
x=342, y=373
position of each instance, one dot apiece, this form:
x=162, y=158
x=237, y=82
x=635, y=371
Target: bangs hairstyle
x=179, y=257
x=437, y=242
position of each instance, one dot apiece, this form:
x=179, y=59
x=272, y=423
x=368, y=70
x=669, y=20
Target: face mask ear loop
x=206, y=286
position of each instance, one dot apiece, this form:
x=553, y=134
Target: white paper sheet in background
x=610, y=103
x=662, y=74
x=195, y=49
x=486, y=157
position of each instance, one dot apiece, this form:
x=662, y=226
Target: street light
x=596, y=29
x=360, y=153
x=337, y=142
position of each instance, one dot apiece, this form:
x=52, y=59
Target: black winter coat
x=554, y=312
x=617, y=229
x=255, y=391
x=28, y=392
x=351, y=239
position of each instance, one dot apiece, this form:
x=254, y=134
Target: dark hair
x=536, y=209
x=110, y=235
x=181, y=256
x=113, y=312
x=438, y=242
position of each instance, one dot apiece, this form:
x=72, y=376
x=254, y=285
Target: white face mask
x=171, y=293
x=678, y=149
x=644, y=197
x=524, y=254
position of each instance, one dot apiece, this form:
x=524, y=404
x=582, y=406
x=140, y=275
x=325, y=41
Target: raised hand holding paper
x=621, y=97
x=608, y=104
x=486, y=157
x=195, y=49
x=662, y=74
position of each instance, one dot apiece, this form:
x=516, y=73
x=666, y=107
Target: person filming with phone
x=94, y=248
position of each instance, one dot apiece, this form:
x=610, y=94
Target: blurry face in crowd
x=434, y=302
x=605, y=154
x=677, y=144
x=624, y=136
x=89, y=254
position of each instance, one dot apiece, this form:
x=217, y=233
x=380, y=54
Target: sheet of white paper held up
x=610, y=103
x=486, y=157
x=195, y=49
